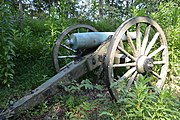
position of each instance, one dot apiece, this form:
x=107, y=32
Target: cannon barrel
x=91, y=39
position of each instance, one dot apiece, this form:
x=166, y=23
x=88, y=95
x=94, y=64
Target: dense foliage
x=6, y=45
x=28, y=31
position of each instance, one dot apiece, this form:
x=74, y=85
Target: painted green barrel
x=91, y=39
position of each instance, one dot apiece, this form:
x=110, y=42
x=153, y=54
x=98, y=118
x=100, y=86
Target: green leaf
x=105, y=113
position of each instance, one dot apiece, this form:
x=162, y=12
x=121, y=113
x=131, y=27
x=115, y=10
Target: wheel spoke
x=68, y=35
x=138, y=41
x=68, y=48
x=126, y=53
x=131, y=80
x=158, y=62
x=131, y=43
x=152, y=42
x=162, y=47
x=127, y=74
x=125, y=65
x=156, y=74
x=145, y=40
x=69, y=56
x=121, y=44
x=159, y=83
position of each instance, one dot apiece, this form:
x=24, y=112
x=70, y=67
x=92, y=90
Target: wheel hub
x=144, y=64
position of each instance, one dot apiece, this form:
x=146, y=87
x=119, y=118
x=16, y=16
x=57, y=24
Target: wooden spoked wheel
x=62, y=53
x=147, y=55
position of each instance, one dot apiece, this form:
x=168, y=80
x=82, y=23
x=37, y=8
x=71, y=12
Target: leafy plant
x=140, y=103
x=7, y=46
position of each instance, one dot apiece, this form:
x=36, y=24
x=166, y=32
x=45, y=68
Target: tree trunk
x=21, y=9
x=101, y=9
x=127, y=7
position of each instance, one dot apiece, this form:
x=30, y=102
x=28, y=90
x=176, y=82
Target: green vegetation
x=26, y=59
x=6, y=45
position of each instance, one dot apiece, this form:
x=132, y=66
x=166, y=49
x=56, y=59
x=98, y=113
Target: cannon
x=137, y=48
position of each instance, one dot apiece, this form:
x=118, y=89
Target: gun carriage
x=137, y=48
